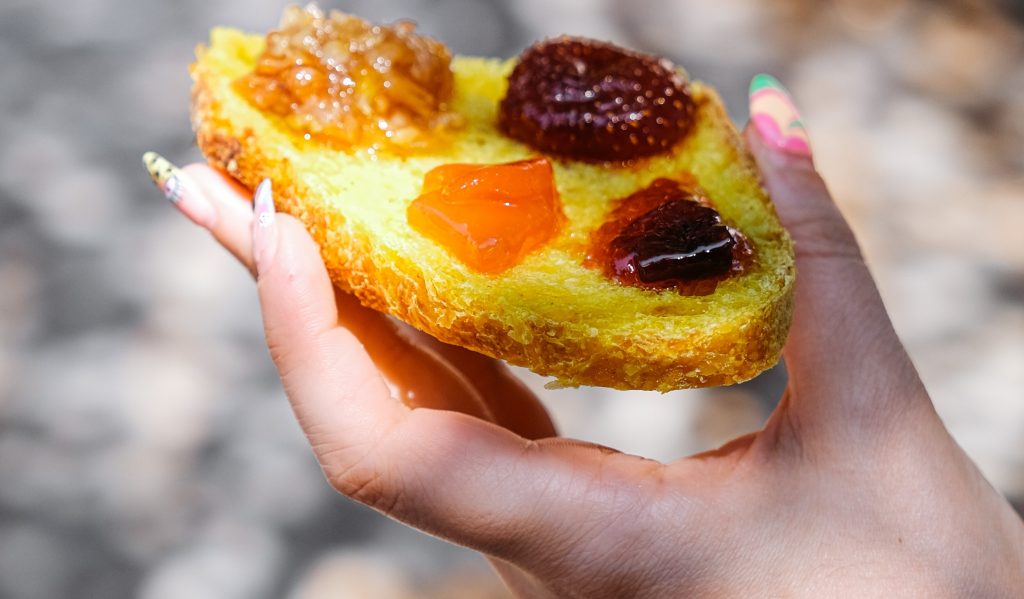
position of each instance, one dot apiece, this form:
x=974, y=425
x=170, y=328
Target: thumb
x=846, y=364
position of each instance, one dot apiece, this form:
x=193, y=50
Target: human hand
x=852, y=488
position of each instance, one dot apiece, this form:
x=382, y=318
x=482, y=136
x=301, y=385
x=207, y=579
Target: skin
x=853, y=487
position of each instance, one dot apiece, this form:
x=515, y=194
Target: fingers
x=420, y=378
x=845, y=362
x=509, y=401
x=416, y=374
x=449, y=474
x=446, y=472
x=232, y=204
x=420, y=370
x=209, y=199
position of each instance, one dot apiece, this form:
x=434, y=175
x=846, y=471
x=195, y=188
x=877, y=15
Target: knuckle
x=360, y=471
x=356, y=480
x=822, y=233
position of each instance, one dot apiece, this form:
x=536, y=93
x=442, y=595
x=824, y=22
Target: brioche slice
x=549, y=313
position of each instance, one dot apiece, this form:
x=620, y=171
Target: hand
x=853, y=487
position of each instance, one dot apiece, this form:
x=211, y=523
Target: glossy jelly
x=666, y=236
x=343, y=81
x=489, y=216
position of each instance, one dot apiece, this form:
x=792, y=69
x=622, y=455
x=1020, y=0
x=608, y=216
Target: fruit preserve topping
x=341, y=80
x=489, y=216
x=678, y=240
x=592, y=100
x=665, y=236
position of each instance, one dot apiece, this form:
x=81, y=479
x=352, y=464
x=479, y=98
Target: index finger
x=447, y=473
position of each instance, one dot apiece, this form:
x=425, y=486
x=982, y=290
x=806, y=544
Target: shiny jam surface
x=666, y=236
x=591, y=100
x=343, y=81
x=489, y=216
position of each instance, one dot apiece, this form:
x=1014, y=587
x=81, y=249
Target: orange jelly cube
x=489, y=216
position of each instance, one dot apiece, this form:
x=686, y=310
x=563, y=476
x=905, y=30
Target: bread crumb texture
x=549, y=313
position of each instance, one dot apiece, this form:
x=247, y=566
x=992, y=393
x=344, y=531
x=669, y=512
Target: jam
x=489, y=216
x=595, y=101
x=665, y=236
x=343, y=81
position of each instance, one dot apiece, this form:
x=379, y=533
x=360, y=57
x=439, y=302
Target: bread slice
x=549, y=313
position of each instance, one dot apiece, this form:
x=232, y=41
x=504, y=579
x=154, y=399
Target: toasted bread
x=549, y=313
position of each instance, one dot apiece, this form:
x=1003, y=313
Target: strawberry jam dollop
x=594, y=101
x=489, y=216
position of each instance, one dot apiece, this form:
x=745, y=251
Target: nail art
x=165, y=175
x=775, y=117
x=176, y=187
x=264, y=234
x=263, y=204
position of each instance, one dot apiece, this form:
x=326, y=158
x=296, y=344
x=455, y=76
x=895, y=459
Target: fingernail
x=775, y=117
x=264, y=231
x=179, y=189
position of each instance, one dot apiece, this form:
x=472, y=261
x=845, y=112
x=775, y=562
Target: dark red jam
x=665, y=236
x=595, y=101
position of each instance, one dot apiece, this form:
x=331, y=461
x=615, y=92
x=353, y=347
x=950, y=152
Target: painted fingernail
x=775, y=117
x=179, y=189
x=264, y=231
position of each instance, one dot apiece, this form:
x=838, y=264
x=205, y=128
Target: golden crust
x=736, y=336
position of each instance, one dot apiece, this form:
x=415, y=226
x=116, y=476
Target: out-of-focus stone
x=1009, y=128
x=975, y=381
x=551, y=18
x=734, y=33
x=644, y=423
x=265, y=469
x=922, y=155
x=20, y=317
x=868, y=18
x=194, y=290
x=231, y=560
x=983, y=224
x=103, y=433
x=724, y=414
x=960, y=56
x=79, y=207
x=933, y=297
x=34, y=564
x=353, y=575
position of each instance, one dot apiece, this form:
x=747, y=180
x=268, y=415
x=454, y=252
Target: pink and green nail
x=775, y=117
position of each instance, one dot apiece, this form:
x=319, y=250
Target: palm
x=777, y=512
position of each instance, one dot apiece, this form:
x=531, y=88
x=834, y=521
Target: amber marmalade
x=489, y=216
x=343, y=81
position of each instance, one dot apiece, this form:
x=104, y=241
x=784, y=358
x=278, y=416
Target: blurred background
x=146, y=449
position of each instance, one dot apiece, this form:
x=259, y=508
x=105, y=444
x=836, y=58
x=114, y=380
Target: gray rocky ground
x=145, y=446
